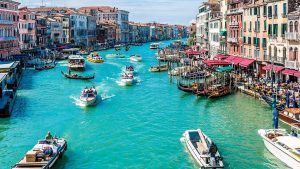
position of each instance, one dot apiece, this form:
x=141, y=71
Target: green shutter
x=284, y=8
x=265, y=25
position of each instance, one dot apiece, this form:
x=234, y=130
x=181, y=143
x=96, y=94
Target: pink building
x=27, y=31
x=9, y=44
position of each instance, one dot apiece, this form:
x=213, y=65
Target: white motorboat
x=76, y=62
x=154, y=45
x=44, y=154
x=129, y=70
x=116, y=55
x=284, y=146
x=159, y=68
x=203, y=149
x=88, y=96
x=127, y=80
x=136, y=58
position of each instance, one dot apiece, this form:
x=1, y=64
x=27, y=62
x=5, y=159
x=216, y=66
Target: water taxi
x=88, y=96
x=159, y=68
x=136, y=58
x=154, y=45
x=44, y=154
x=129, y=70
x=127, y=79
x=76, y=62
x=284, y=146
x=95, y=58
x=203, y=149
x=290, y=116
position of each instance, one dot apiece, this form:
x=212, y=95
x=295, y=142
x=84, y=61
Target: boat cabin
x=76, y=62
x=7, y=96
x=71, y=51
x=14, y=72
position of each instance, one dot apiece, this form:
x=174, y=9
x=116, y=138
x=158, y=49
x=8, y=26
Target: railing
x=279, y=60
x=8, y=22
x=292, y=36
x=291, y=64
x=234, y=23
x=236, y=10
x=233, y=40
x=7, y=38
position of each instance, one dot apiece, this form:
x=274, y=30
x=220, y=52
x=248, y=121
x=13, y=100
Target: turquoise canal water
x=133, y=127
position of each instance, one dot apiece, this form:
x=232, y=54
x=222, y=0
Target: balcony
x=235, y=11
x=295, y=36
x=278, y=60
x=232, y=40
x=7, y=38
x=234, y=24
x=291, y=64
x=6, y=22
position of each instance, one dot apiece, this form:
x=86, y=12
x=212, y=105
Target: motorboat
x=88, y=96
x=127, y=79
x=159, y=68
x=203, y=149
x=116, y=55
x=286, y=147
x=44, y=154
x=129, y=70
x=95, y=58
x=154, y=45
x=136, y=58
x=76, y=62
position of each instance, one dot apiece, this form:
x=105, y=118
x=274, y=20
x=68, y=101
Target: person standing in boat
x=49, y=136
x=69, y=71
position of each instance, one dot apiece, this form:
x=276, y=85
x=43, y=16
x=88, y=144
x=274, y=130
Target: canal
x=133, y=127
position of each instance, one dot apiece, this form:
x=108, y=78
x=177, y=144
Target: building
x=214, y=34
x=54, y=32
x=78, y=29
x=41, y=31
x=91, y=30
x=27, y=29
x=106, y=33
x=123, y=19
x=9, y=43
x=235, y=27
x=64, y=27
x=223, y=26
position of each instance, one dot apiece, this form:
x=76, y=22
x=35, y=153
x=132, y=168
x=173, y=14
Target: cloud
x=165, y=11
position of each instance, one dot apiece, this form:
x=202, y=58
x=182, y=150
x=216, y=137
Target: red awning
x=216, y=62
x=237, y=60
x=297, y=74
x=192, y=52
x=246, y=62
x=275, y=68
x=289, y=72
x=230, y=58
x=203, y=50
x=220, y=57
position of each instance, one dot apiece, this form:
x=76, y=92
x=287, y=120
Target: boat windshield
x=194, y=136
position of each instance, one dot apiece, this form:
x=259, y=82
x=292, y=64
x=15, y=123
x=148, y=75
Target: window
x=265, y=25
x=296, y=26
x=254, y=41
x=270, y=11
x=284, y=9
x=283, y=29
x=275, y=29
x=255, y=11
x=264, y=42
x=245, y=26
x=244, y=39
x=258, y=11
x=270, y=29
x=249, y=40
x=250, y=11
x=275, y=11
x=250, y=53
x=250, y=26
x=265, y=10
x=291, y=26
x=284, y=54
x=258, y=26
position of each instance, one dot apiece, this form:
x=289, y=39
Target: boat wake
x=79, y=103
x=106, y=97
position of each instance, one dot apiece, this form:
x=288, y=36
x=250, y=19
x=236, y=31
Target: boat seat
x=201, y=148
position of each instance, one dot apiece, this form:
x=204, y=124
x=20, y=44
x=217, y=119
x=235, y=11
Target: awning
x=203, y=50
x=297, y=74
x=237, y=60
x=224, y=69
x=216, y=62
x=220, y=57
x=289, y=72
x=230, y=58
x=246, y=62
x=192, y=52
x=275, y=68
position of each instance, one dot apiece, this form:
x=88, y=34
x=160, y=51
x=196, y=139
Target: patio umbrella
x=294, y=101
x=287, y=99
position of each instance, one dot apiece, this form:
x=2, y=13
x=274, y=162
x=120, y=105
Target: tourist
x=49, y=136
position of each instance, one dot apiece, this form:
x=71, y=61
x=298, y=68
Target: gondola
x=186, y=88
x=46, y=67
x=75, y=76
x=218, y=92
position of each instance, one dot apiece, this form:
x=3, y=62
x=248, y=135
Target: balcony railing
x=7, y=22
x=233, y=40
x=7, y=38
x=234, y=23
x=236, y=10
x=292, y=36
x=291, y=64
x=278, y=60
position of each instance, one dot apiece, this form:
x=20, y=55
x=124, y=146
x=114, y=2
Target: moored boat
x=44, y=154
x=76, y=76
x=290, y=116
x=88, y=96
x=76, y=62
x=136, y=58
x=159, y=68
x=154, y=45
x=203, y=149
x=187, y=88
x=218, y=91
x=45, y=67
x=284, y=146
x=95, y=58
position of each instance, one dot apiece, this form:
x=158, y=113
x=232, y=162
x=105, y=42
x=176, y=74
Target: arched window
x=291, y=26
x=270, y=53
x=275, y=53
x=291, y=55
x=296, y=26
x=284, y=54
x=295, y=54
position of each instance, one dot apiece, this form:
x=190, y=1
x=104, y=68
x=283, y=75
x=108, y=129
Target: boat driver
x=49, y=136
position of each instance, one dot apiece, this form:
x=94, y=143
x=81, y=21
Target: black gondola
x=185, y=88
x=46, y=67
x=75, y=76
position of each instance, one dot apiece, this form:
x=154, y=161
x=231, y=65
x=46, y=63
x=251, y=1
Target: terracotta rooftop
x=98, y=8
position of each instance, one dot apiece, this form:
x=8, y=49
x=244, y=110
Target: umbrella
x=287, y=99
x=294, y=101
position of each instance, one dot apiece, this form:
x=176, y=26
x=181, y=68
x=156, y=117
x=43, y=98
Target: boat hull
x=127, y=82
x=96, y=61
x=280, y=153
x=87, y=102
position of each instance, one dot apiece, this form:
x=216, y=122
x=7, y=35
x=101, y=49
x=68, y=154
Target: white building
x=78, y=28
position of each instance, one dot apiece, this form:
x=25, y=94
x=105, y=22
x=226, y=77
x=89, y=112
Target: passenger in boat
x=213, y=149
x=293, y=133
x=49, y=136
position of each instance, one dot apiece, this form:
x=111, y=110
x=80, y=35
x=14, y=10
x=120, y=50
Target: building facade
x=27, y=29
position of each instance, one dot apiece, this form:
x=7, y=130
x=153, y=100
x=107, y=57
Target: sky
x=162, y=11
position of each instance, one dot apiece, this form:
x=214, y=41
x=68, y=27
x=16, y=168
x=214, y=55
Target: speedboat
x=44, y=154
x=136, y=58
x=284, y=146
x=129, y=70
x=203, y=149
x=154, y=45
x=95, y=58
x=159, y=68
x=127, y=79
x=117, y=55
x=88, y=96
